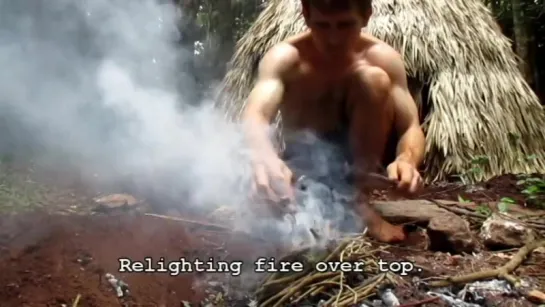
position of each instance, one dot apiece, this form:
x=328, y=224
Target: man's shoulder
x=282, y=57
x=384, y=56
x=380, y=52
x=282, y=52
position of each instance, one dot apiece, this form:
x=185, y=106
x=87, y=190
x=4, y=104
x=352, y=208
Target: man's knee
x=374, y=85
x=374, y=78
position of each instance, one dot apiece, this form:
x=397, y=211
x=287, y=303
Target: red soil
x=47, y=260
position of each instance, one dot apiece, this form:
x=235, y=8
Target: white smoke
x=99, y=84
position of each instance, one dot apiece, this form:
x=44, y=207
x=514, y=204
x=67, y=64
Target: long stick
x=457, y=210
x=501, y=272
x=188, y=221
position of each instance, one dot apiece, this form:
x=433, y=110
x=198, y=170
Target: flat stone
x=446, y=230
x=406, y=211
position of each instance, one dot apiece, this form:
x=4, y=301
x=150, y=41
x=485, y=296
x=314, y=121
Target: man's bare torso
x=361, y=91
x=317, y=89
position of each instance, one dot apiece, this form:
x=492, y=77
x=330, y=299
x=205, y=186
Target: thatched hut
x=463, y=74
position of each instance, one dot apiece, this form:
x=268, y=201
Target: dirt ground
x=56, y=251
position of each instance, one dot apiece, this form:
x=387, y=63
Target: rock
x=115, y=201
x=540, y=250
x=388, y=298
x=446, y=230
x=406, y=211
x=500, y=232
x=536, y=296
x=449, y=231
x=453, y=260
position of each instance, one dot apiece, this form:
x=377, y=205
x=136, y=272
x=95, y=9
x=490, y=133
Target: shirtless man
x=305, y=78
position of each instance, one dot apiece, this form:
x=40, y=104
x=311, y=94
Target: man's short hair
x=338, y=6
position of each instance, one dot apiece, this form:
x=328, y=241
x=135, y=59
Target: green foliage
x=533, y=186
x=483, y=210
x=504, y=204
x=17, y=193
x=476, y=169
x=503, y=9
x=533, y=189
x=463, y=200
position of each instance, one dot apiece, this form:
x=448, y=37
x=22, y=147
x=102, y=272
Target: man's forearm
x=258, y=132
x=411, y=146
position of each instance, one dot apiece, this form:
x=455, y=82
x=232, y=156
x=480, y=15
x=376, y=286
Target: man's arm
x=411, y=144
x=266, y=97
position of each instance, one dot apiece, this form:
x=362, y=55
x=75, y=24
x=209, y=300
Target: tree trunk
x=534, y=63
x=522, y=38
x=225, y=32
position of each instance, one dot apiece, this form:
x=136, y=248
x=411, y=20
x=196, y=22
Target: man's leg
x=372, y=120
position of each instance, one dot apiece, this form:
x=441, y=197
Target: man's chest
x=316, y=102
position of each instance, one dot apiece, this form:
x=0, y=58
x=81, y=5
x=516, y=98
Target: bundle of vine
x=327, y=288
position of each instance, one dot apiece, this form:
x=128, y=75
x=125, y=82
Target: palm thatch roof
x=480, y=103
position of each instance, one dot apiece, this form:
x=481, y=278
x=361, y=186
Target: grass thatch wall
x=479, y=100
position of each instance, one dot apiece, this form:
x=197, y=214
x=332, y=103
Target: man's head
x=336, y=24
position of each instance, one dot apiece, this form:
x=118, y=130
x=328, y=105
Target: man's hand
x=273, y=181
x=406, y=175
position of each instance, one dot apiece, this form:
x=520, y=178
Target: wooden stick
x=289, y=291
x=362, y=292
x=188, y=221
x=501, y=272
x=457, y=210
x=76, y=301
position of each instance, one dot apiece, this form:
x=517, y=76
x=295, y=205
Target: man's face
x=334, y=33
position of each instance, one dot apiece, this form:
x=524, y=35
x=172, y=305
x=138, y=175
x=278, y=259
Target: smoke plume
x=97, y=84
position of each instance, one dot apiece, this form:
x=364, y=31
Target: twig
x=450, y=189
x=285, y=294
x=76, y=301
x=501, y=272
x=421, y=302
x=284, y=280
x=341, y=283
x=299, y=286
x=188, y=221
x=532, y=224
x=365, y=290
x=302, y=296
x=457, y=210
x=535, y=225
x=532, y=216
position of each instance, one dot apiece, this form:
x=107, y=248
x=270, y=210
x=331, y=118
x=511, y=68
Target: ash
x=226, y=290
